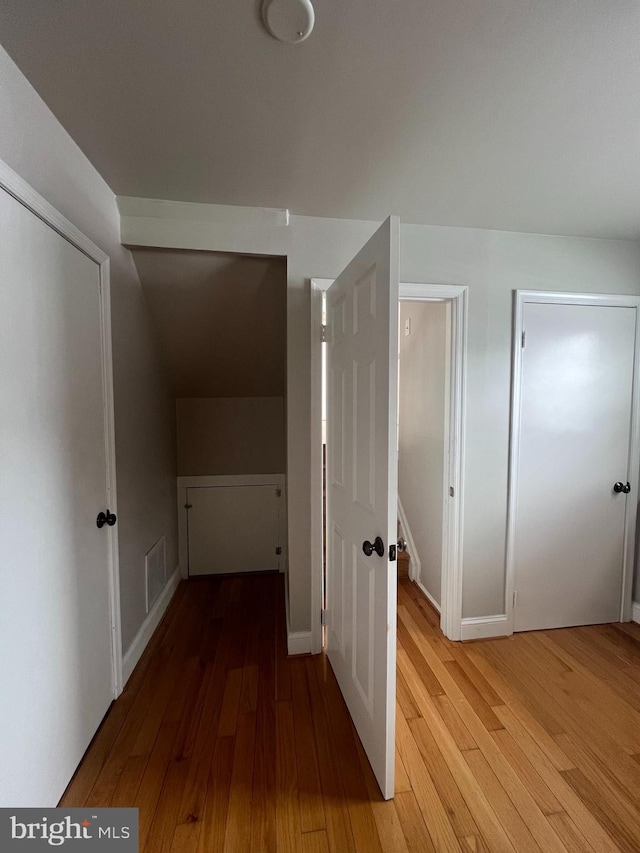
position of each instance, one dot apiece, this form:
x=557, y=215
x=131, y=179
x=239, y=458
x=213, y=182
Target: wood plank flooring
x=530, y=743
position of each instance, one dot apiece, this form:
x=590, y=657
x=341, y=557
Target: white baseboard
x=484, y=627
x=415, y=566
x=141, y=639
x=427, y=595
x=298, y=642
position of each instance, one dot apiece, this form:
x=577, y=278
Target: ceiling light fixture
x=288, y=20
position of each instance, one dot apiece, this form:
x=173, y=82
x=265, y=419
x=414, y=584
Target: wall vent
x=155, y=567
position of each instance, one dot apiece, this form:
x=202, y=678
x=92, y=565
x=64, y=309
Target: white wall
x=230, y=435
x=421, y=431
x=36, y=146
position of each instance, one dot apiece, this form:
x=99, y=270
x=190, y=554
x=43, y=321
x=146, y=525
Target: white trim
x=188, y=211
x=451, y=595
x=207, y=480
x=204, y=227
x=298, y=642
x=415, y=566
x=221, y=480
x=615, y=300
x=110, y=456
x=427, y=595
x=521, y=297
x=26, y=195
x=635, y=611
x=33, y=201
x=484, y=627
x=148, y=627
x=317, y=583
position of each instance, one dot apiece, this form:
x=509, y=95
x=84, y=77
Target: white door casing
x=451, y=622
x=59, y=616
x=574, y=434
x=362, y=352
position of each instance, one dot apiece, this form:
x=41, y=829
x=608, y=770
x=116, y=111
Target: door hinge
x=452, y=492
x=323, y=617
x=524, y=339
x=323, y=333
x=278, y=551
x=188, y=506
x=515, y=597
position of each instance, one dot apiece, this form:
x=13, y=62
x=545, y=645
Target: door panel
x=575, y=430
x=362, y=351
x=232, y=529
x=55, y=626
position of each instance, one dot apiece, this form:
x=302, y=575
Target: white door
x=577, y=378
x=233, y=529
x=55, y=626
x=362, y=372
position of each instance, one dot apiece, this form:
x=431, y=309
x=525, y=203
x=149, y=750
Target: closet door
x=575, y=424
x=233, y=529
x=55, y=622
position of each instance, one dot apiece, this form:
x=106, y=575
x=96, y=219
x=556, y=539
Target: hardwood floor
x=530, y=743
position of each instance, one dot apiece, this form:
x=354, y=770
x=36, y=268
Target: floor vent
x=155, y=566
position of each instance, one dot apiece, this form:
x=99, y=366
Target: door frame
x=521, y=298
x=17, y=187
x=217, y=481
x=451, y=597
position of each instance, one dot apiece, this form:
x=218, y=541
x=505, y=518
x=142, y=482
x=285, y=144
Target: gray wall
x=421, y=431
x=230, y=435
x=493, y=264
x=36, y=146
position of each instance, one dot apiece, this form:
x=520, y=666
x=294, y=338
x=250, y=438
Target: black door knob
x=378, y=547
x=622, y=487
x=106, y=518
x=627, y=488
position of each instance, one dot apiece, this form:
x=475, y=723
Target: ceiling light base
x=289, y=21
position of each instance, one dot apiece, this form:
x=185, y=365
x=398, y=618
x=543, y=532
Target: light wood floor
x=225, y=744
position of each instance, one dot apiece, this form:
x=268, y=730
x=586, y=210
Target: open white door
x=362, y=375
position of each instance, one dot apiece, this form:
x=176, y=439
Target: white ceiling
x=510, y=114
x=221, y=320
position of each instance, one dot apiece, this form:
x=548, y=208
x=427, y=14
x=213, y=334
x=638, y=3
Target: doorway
x=362, y=360
x=453, y=302
x=423, y=424
x=221, y=322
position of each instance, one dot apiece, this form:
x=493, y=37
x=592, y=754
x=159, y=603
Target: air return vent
x=155, y=566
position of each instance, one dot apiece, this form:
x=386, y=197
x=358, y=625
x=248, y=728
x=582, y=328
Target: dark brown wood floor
x=225, y=744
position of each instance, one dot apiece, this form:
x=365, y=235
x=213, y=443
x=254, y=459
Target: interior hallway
x=225, y=744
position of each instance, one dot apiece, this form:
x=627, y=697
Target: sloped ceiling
x=221, y=320
x=507, y=114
